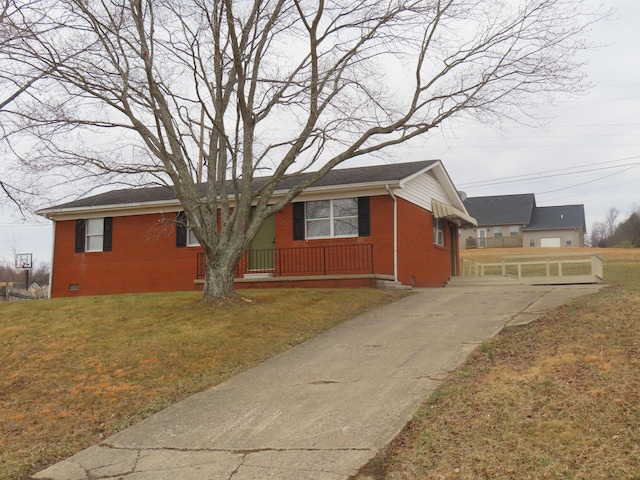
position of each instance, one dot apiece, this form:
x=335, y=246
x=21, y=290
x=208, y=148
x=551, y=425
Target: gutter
x=395, y=233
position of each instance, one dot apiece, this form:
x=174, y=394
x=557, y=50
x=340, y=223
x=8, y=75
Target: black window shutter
x=107, y=234
x=181, y=229
x=298, y=221
x=80, y=236
x=364, y=223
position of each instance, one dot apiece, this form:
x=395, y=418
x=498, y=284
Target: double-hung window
x=94, y=235
x=332, y=218
x=335, y=218
x=438, y=231
x=192, y=241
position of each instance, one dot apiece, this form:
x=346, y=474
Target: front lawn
x=74, y=371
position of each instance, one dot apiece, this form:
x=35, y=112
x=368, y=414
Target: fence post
x=596, y=266
x=324, y=260
x=548, y=269
x=559, y=267
x=373, y=270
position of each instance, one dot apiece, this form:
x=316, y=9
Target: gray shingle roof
x=501, y=209
x=557, y=218
x=387, y=173
x=120, y=197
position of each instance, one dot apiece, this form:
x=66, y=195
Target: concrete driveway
x=321, y=410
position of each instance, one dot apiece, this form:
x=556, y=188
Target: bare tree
x=17, y=21
x=610, y=221
x=598, y=234
x=281, y=86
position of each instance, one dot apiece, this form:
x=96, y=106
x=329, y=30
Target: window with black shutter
x=298, y=221
x=336, y=218
x=80, y=224
x=181, y=229
x=364, y=221
x=94, y=235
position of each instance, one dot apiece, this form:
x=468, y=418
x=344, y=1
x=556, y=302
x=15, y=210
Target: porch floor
x=307, y=281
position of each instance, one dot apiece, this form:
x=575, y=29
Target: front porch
x=339, y=266
x=514, y=241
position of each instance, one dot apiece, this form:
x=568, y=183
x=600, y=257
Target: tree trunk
x=218, y=280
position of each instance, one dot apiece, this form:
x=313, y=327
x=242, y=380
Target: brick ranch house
x=394, y=222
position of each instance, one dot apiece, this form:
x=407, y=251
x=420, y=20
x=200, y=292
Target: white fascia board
x=120, y=210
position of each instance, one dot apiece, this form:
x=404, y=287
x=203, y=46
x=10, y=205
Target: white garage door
x=550, y=242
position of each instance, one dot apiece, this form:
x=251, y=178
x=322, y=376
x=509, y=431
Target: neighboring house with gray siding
x=561, y=226
x=516, y=221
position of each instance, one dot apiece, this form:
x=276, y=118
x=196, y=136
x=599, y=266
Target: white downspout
x=53, y=249
x=395, y=234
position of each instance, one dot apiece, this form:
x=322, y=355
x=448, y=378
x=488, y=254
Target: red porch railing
x=279, y=262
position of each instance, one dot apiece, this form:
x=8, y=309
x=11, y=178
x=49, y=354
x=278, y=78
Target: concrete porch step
x=485, y=280
x=391, y=285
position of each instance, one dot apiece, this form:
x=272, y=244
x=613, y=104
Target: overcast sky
x=588, y=154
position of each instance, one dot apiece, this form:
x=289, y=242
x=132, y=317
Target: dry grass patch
x=558, y=399
x=76, y=370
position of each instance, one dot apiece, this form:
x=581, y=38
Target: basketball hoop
x=23, y=261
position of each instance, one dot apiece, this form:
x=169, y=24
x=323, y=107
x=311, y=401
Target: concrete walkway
x=321, y=410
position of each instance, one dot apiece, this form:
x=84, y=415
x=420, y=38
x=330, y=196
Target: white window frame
x=532, y=241
x=98, y=233
x=332, y=219
x=497, y=232
x=514, y=231
x=568, y=241
x=438, y=231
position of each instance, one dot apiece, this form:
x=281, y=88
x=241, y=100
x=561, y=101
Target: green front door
x=262, y=249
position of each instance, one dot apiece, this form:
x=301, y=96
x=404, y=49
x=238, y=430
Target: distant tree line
x=39, y=274
x=610, y=233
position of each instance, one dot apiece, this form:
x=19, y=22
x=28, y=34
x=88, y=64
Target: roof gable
x=391, y=172
x=557, y=218
x=501, y=209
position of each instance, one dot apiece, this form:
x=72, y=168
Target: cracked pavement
x=324, y=408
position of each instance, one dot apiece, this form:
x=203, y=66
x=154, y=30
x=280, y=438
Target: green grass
x=558, y=399
x=74, y=371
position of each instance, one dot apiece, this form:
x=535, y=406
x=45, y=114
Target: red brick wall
x=144, y=258
x=421, y=263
